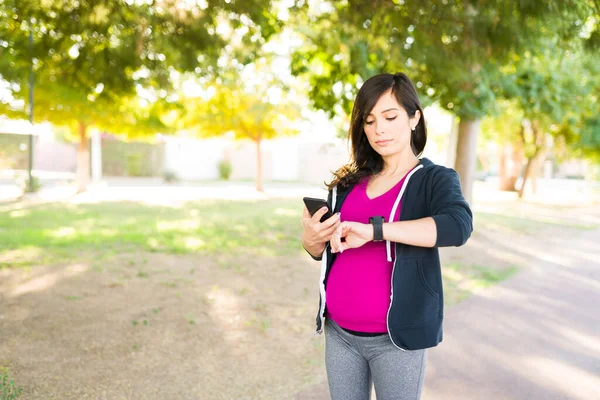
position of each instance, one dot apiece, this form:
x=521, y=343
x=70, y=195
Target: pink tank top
x=359, y=283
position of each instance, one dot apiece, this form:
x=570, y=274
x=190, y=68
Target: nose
x=378, y=129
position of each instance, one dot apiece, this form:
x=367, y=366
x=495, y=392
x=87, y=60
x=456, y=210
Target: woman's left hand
x=355, y=234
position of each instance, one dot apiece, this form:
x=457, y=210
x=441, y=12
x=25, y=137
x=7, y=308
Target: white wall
x=317, y=160
x=192, y=159
x=285, y=159
x=242, y=155
x=52, y=155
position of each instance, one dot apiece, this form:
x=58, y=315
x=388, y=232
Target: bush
x=170, y=176
x=134, y=164
x=23, y=183
x=8, y=388
x=224, y=169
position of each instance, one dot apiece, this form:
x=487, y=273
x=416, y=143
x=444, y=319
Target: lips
x=383, y=142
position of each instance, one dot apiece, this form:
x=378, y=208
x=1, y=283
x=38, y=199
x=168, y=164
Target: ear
x=414, y=120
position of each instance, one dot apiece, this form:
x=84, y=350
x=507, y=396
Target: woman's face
x=388, y=127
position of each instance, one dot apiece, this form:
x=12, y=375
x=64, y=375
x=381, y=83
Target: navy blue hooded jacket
x=416, y=311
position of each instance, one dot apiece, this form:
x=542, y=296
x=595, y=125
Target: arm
x=451, y=213
x=451, y=222
x=419, y=232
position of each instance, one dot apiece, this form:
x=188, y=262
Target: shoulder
x=436, y=173
x=441, y=181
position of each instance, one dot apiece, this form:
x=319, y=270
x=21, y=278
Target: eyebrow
x=384, y=111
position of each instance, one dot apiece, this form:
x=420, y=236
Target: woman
x=381, y=285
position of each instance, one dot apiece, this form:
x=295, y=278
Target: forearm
x=419, y=232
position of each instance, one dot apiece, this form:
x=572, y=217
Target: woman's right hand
x=315, y=233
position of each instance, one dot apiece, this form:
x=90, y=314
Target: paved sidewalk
x=535, y=336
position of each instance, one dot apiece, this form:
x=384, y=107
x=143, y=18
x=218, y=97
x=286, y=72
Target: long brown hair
x=365, y=160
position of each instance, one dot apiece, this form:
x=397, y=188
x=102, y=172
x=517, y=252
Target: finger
x=336, y=240
x=320, y=212
x=344, y=246
x=339, y=242
x=305, y=213
x=331, y=220
x=346, y=228
x=333, y=243
x=327, y=233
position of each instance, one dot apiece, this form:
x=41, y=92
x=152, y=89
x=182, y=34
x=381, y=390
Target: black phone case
x=313, y=205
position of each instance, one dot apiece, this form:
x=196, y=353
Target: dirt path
x=533, y=337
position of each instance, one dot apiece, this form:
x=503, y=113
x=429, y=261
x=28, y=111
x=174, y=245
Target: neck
x=399, y=163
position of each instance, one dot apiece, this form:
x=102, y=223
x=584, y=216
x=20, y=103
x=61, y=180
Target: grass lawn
x=56, y=232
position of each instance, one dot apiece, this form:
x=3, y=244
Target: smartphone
x=313, y=205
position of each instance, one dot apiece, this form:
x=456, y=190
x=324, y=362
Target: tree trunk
x=466, y=155
x=451, y=151
x=533, y=174
x=525, y=176
x=510, y=167
x=531, y=162
x=259, y=185
x=535, y=170
x=503, y=183
x=485, y=164
x=538, y=142
x=83, y=160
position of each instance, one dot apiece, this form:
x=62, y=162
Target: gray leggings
x=355, y=362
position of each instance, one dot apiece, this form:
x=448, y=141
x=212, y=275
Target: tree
x=589, y=143
x=551, y=97
x=63, y=106
x=453, y=50
x=504, y=129
x=555, y=90
x=249, y=110
x=92, y=60
x=583, y=139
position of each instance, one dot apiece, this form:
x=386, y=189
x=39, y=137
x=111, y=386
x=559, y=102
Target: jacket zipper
x=322, y=290
x=400, y=195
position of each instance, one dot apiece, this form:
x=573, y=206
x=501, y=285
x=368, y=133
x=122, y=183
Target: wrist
x=377, y=228
x=313, y=247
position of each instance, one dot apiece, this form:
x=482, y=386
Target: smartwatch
x=377, y=223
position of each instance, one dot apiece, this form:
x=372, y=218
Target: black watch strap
x=377, y=223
